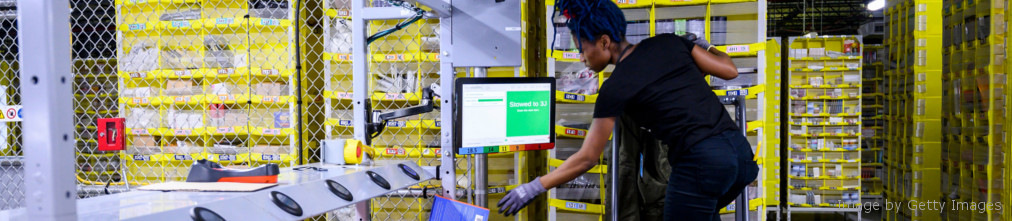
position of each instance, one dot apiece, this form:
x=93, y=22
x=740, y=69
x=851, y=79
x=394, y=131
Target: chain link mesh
x=241, y=83
x=11, y=172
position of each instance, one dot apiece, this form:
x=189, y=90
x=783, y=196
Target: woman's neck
x=621, y=51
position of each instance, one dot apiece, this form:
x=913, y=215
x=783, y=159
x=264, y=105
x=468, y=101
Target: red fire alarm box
x=110, y=134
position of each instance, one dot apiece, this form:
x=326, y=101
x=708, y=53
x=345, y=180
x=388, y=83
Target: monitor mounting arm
x=377, y=120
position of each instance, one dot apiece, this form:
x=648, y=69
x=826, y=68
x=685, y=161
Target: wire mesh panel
x=11, y=172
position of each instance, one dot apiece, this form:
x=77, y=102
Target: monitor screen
x=503, y=114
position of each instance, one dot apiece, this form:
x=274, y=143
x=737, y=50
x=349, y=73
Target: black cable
x=298, y=81
x=419, y=13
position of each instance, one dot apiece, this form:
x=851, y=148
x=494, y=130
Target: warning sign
x=10, y=113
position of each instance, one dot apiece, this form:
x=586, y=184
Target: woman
x=659, y=82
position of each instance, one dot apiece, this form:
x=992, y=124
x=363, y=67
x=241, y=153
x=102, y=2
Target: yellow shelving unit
x=872, y=118
x=211, y=79
x=824, y=153
x=974, y=85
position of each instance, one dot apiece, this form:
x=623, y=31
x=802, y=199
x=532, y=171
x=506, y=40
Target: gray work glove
x=519, y=197
x=698, y=40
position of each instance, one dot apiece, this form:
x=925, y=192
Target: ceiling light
x=876, y=5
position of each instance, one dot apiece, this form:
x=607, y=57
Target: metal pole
x=44, y=35
x=360, y=85
x=481, y=162
x=741, y=203
x=613, y=169
x=446, y=77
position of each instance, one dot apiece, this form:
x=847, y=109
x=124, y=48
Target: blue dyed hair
x=589, y=19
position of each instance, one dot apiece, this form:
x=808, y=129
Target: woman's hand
x=519, y=197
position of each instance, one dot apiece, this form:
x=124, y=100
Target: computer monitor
x=495, y=115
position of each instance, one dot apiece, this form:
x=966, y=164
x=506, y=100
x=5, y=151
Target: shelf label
x=226, y=71
x=397, y=124
x=140, y=100
x=394, y=57
x=180, y=24
x=271, y=99
x=270, y=72
x=741, y=92
x=228, y=97
x=269, y=157
x=138, y=74
x=181, y=132
x=395, y=151
x=344, y=95
x=575, y=205
x=270, y=131
x=575, y=97
x=141, y=157
x=138, y=1
x=438, y=151
x=138, y=26
x=439, y=123
x=394, y=96
x=343, y=13
x=224, y=130
x=226, y=157
x=183, y=99
x=224, y=21
x=575, y=132
x=346, y=123
x=182, y=157
x=183, y=73
x=139, y=131
x=496, y=190
x=270, y=22
x=344, y=57
x=571, y=55
x=737, y=48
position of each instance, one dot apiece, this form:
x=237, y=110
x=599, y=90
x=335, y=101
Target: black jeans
x=708, y=176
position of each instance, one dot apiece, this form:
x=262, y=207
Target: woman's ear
x=605, y=41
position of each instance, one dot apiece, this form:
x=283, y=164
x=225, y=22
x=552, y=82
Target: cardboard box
x=270, y=149
x=270, y=89
x=181, y=88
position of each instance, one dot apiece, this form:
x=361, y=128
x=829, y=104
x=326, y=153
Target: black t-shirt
x=661, y=87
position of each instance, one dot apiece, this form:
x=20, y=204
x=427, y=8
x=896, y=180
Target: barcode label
x=226, y=157
x=269, y=131
x=139, y=131
x=571, y=55
x=574, y=97
x=226, y=71
x=180, y=24
x=223, y=21
x=394, y=96
x=270, y=22
x=183, y=73
x=182, y=157
x=134, y=27
x=138, y=74
x=576, y=132
x=270, y=157
x=142, y=157
x=574, y=205
x=738, y=48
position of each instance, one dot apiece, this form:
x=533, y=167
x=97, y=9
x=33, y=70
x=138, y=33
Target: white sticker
x=512, y=28
x=737, y=48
